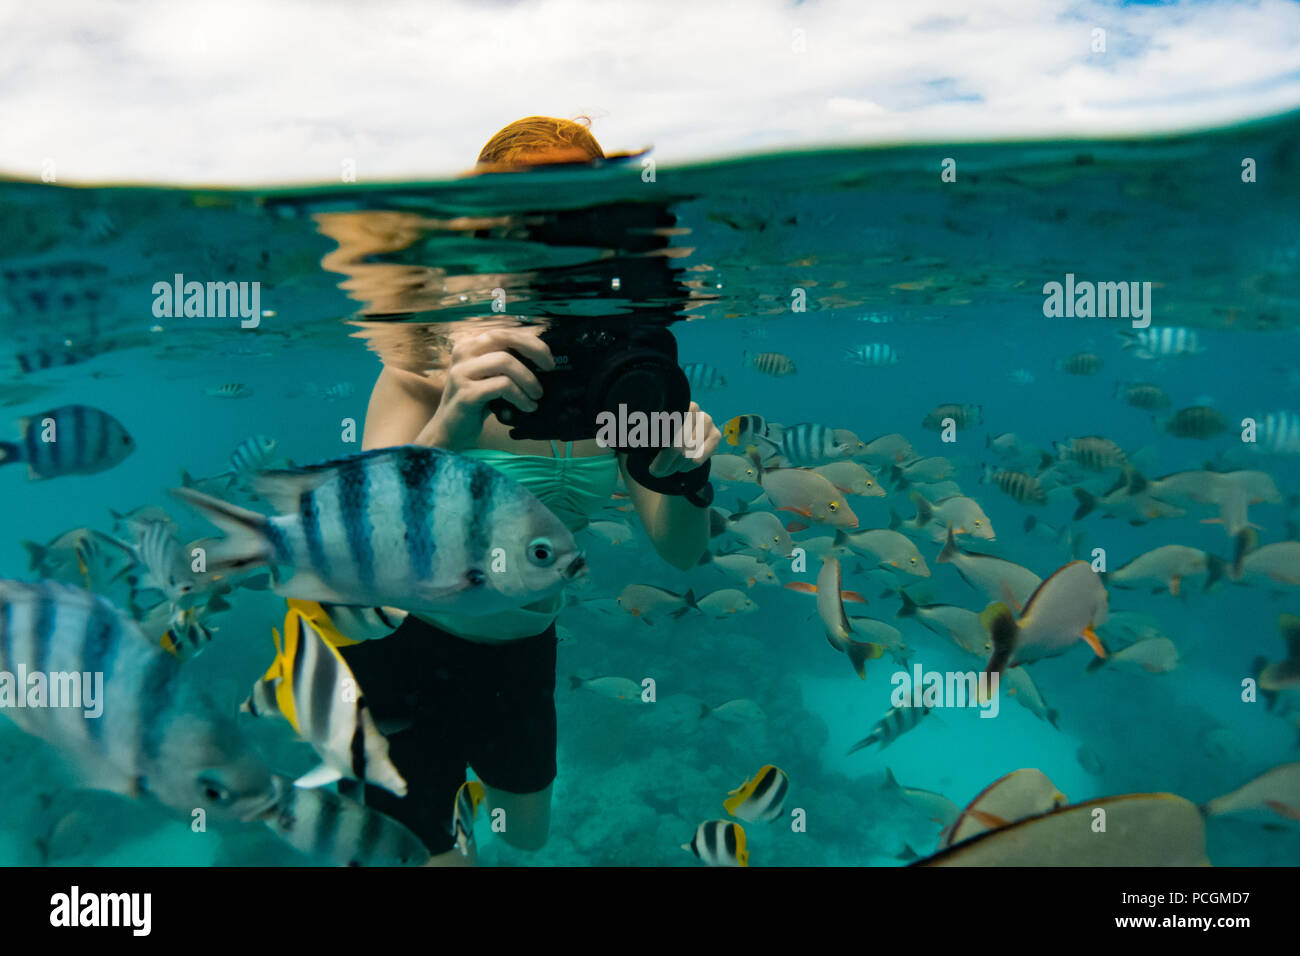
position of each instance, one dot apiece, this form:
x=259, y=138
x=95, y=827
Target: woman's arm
x=678, y=529
x=399, y=409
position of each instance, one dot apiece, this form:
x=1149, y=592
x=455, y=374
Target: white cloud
x=233, y=91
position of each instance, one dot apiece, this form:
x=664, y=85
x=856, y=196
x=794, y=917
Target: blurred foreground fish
x=1019, y=794
x=68, y=440
x=135, y=728
x=872, y=355
x=469, y=797
x=703, y=377
x=962, y=416
x=1166, y=567
x=325, y=825
x=1155, y=343
x=1142, y=829
x=230, y=390
x=310, y=685
x=420, y=528
x=1196, y=421
x=1284, y=674
x=1277, y=790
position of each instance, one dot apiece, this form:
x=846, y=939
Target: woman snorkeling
x=479, y=691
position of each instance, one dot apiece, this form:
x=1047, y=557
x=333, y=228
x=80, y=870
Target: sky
x=243, y=92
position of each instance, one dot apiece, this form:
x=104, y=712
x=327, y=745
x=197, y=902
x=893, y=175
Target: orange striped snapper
x=806, y=493
x=759, y=798
x=1025, y=489
x=719, y=843
x=770, y=363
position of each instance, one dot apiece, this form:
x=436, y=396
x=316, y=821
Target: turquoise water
x=949, y=274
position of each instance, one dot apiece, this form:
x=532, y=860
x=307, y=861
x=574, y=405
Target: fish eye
x=213, y=791
x=541, y=552
x=776, y=538
x=834, y=506
x=977, y=522
x=913, y=560
x=475, y=577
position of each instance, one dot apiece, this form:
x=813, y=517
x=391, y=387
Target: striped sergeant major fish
x=896, y=722
x=804, y=444
x=421, y=528
x=469, y=797
x=719, y=843
x=703, y=377
x=68, y=440
x=762, y=797
x=230, y=390
x=1164, y=342
x=327, y=826
x=770, y=363
x=311, y=686
x=1278, y=433
x=343, y=624
x=40, y=359
x=152, y=734
x=251, y=454
x=874, y=354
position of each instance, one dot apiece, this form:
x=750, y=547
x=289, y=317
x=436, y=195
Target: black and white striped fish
x=251, y=454
x=327, y=826
x=68, y=440
x=1163, y=342
x=40, y=359
x=1279, y=433
x=873, y=354
x=806, y=443
x=719, y=843
x=469, y=796
x=419, y=528
x=896, y=722
x=770, y=363
x=1024, y=488
x=315, y=691
x=151, y=734
x=703, y=377
x=230, y=390
x=760, y=798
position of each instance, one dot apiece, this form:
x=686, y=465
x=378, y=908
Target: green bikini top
x=573, y=488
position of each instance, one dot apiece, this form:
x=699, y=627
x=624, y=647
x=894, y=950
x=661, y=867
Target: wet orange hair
x=539, y=140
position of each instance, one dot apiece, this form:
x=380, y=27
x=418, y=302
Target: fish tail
x=1215, y=568
x=1087, y=501
x=862, y=651
x=575, y=682
x=909, y=606
x=705, y=710
x=1246, y=541
x=898, y=479
x=1000, y=622
x=10, y=452
x=950, y=549
x=924, y=510
x=247, y=543
x=895, y=520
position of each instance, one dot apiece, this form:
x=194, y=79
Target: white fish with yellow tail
x=963, y=515
x=649, y=602
x=891, y=449
x=617, y=688
x=469, y=796
x=839, y=629
x=1167, y=567
x=760, y=530
x=1277, y=790
x=964, y=628
x=733, y=468
x=936, y=807
x=761, y=798
x=742, y=710
x=1284, y=674
x=850, y=478
x=316, y=692
x=1142, y=829
x=745, y=568
x=719, y=843
x=1065, y=609
x=726, y=602
x=1159, y=655
x=886, y=635
x=1020, y=794
x=889, y=549
x=998, y=579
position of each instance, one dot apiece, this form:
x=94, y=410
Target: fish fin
x=796, y=526
x=890, y=782
x=894, y=520
x=853, y=597
x=909, y=606
x=1283, y=809
x=283, y=489
x=908, y=854
x=803, y=587
x=1094, y=641
x=924, y=510
x=1087, y=501
x=988, y=819
x=862, y=651
x=1003, y=630
x=950, y=549
x=246, y=543
x=321, y=776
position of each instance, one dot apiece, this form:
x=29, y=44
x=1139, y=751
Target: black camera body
x=603, y=367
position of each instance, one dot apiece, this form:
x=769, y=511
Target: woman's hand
x=700, y=440
x=481, y=370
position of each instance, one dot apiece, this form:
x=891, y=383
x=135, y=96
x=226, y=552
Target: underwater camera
x=603, y=367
